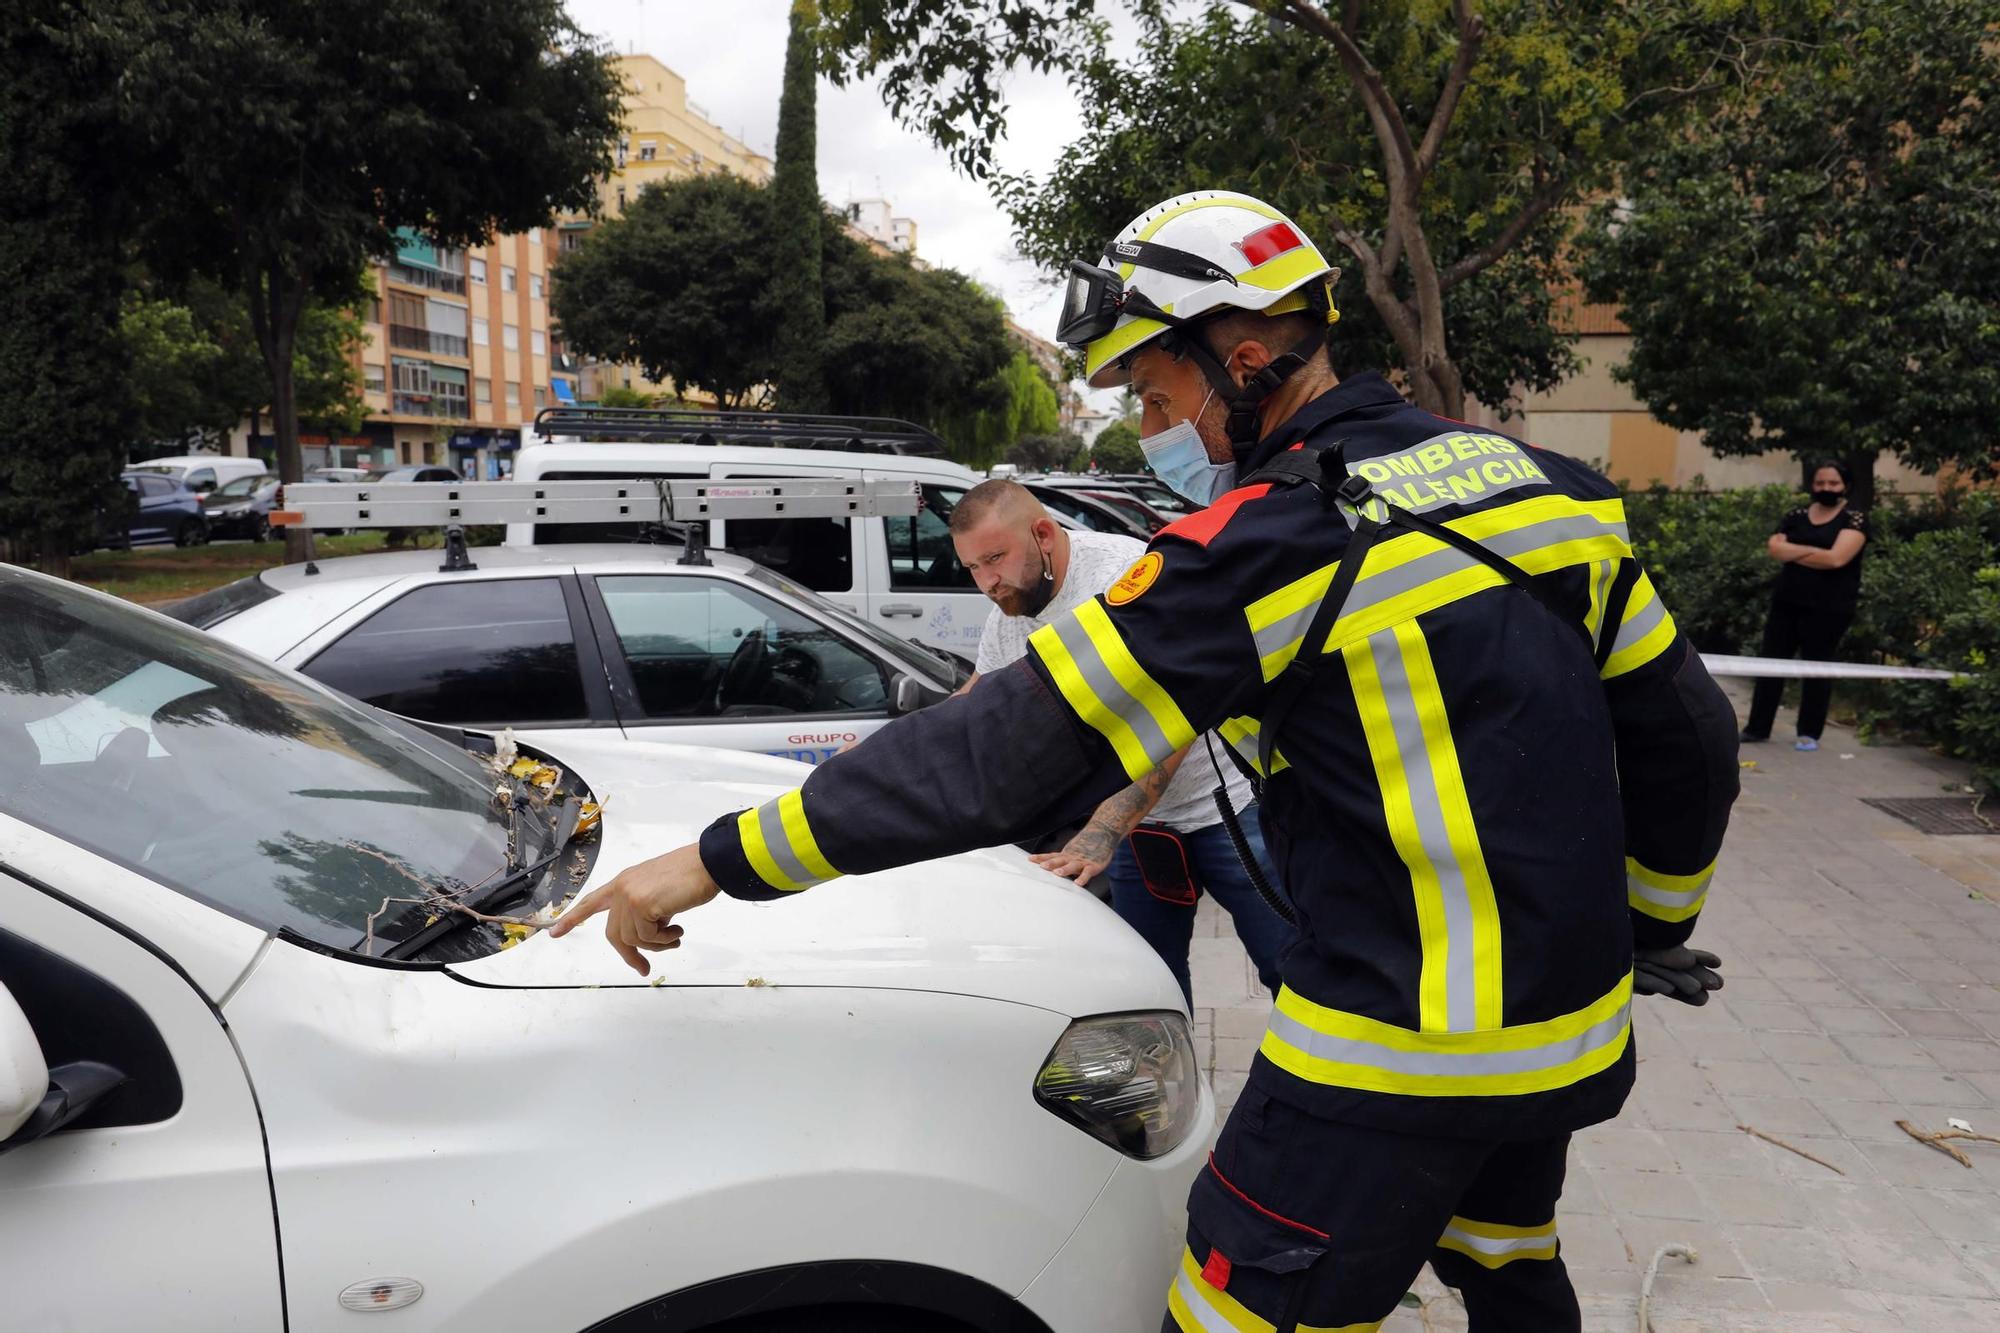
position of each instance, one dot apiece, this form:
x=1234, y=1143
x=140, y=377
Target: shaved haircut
x=1007, y=499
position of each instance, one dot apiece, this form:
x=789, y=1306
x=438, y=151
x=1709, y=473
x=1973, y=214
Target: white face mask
x=1180, y=459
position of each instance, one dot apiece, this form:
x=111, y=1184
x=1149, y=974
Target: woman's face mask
x=1179, y=458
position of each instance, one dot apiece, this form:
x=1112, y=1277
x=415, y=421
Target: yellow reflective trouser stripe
x=1666, y=897
x=1344, y=1050
x=1430, y=824
x=1491, y=1244
x=1409, y=574
x=1645, y=632
x=779, y=844
x=1242, y=734
x=1199, y=1308
x=1106, y=687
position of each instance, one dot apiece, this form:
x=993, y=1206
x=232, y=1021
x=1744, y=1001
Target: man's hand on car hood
x=643, y=901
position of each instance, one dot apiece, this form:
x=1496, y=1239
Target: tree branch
x=1544, y=199
x=1471, y=36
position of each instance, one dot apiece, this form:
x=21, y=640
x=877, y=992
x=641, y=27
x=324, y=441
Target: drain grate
x=1940, y=814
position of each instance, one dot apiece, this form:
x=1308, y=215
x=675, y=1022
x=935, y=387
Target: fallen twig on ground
x=1936, y=1139
x=1772, y=1138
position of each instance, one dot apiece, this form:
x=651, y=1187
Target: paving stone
x=1242, y=1021
x=1791, y=967
x=1941, y=1314
x=1721, y=1153
x=1794, y=1254
x=1781, y=1017
x=1955, y=1214
x=1964, y=1057
x=1931, y=1087
x=1801, y=1048
x=1780, y=1115
x=1713, y=1242
x=1860, y=1022
x=1657, y=1194
x=1816, y=991
x=1838, y=1152
x=1842, y=1082
x=1838, y=1205
x=1934, y=1023
x=1745, y=1078
x=1887, y=1052
x=1913, y=1163
x=1809, y=1298
x=1617, y=1146
x=1911, y=1266
x=1749, y=1200
x=1233, y=1054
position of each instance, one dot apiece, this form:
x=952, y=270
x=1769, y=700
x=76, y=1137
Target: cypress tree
x=796, y=218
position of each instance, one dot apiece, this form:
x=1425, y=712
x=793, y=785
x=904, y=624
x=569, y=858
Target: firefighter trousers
x=1317, y=1226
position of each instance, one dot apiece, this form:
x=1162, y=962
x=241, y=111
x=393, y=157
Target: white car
x=586, y=641
x=246, y=1084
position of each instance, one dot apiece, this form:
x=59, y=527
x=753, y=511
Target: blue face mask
x=1179, y=458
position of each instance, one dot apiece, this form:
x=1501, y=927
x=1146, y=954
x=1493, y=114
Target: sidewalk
x=1863, y=966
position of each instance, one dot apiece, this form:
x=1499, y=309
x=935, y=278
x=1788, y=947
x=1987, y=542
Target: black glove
x=1680, y=973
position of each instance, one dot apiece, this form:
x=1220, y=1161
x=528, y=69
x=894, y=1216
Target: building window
x=624, y=147
x=482, y=333
x=510, y=337
x=648, y=150
x=571, y=240
x=513, y=394
x=534, y=236
x=621, y=198
x=539, y=341
x=484, y=389
x=506, y=277
x=374, y=310
x=477, y=270
x=372, y=379
x=535, y=286
x=541, y=396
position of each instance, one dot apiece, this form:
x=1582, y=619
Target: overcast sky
x=732, y=54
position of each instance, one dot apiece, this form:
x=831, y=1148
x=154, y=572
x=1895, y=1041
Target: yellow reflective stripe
x=1285, y=271
x=1429, y=818
x=1666, y=897
x=1398, y=811
x=792, y=813
x=1242, y=735
x=1644, y=633
x=1336, y=1049
x=1407, y=575
x=1119, y=341
x=1602, y=575
x=1107, y=688
x=1199, y=1308
x=750, y=831
x=1455, y=805
x=779, y=844
x=1147, y=232
x=1492, y=1245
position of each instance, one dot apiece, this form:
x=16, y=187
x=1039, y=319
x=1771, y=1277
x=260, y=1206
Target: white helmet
x=1192, y=256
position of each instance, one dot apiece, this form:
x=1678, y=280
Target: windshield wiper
x=450, y=919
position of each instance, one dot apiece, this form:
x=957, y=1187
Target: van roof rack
x=780, y=430
x=680, y=506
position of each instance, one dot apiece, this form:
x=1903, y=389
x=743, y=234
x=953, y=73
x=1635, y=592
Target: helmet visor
x=1090, y=306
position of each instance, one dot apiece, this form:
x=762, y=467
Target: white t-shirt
x=1096, y=561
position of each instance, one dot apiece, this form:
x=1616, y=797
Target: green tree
x=1435, y=144
x=617, y=395
x=65, y=420
x=1046, y=453
x=799, y=218
x=1117, y=448
x=291, y=141
x=979, y=438
x=681, y=285
x=1813, y=269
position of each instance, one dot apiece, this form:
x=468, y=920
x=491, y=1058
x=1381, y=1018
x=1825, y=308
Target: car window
x=154, y=485
x=919, y=661
x=239, y=489
x=707, y=648
x=224, y=777
x=499, y=650
x=1087, y=514
x=920, y=551
x=201, y=478
x=208, y=609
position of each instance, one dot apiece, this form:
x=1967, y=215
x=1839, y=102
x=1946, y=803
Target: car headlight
x=1128, y=1079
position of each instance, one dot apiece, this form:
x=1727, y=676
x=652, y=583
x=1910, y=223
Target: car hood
x=987, y=923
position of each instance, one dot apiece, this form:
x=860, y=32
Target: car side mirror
x=24, y=1074
x=905, y=695
x=36, y=1101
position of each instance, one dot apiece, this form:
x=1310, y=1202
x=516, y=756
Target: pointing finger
x=591, y=904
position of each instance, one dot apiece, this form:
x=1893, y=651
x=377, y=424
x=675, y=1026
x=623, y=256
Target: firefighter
x=1493, y=774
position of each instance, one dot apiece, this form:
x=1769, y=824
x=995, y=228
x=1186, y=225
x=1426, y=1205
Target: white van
x=900, y=573
x=203, y=472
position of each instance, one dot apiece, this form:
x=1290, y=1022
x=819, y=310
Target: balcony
x=435, y=279
x=423, y=340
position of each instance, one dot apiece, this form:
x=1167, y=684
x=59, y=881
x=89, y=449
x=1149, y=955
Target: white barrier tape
x=1792, y=668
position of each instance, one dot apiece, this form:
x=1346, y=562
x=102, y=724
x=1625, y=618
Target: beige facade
x=665, y=137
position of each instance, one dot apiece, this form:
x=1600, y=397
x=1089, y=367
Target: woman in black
x=1820, y=548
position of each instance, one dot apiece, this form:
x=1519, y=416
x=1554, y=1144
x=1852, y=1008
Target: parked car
x=899, y=573
x=1144, y=485
x=202, y=472
x=248, y=1082
x=1096, y=514
x=241, y=508
x=349, y=474
x=598, y=641
x=1130, y=505
x=158, y=508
